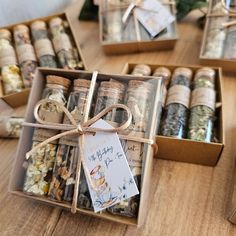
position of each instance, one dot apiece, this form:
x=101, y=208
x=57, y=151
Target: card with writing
x=154, y=16
x=111, y=180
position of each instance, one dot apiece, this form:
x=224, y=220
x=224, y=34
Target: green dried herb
x=175, y=118
x=202, y=117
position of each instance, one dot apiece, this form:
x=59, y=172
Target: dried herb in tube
x=109, y=93
x=43, y=45
x=176, y=111
x=202, y=113
x=41, y=163
x=10, y=72
x=67, y=55
x=141, y=70
x=25, y=53
x=137, y=99
x=216, y=36
x=64, y=172
x=10, y=127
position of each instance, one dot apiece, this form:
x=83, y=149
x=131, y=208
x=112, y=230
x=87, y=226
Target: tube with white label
x=202, y=106
x=43, y=45
x=176, y=111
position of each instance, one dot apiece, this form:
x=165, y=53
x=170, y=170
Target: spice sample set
x=45, y=42
x=135, y=29
x=219, y=34
x=190, y=101
x=50, y=174
x=197, y=92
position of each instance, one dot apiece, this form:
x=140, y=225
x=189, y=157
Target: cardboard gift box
x=186, y=150
x=21, y=98
x=216, y=26
x=138, y=39
x=18, y=173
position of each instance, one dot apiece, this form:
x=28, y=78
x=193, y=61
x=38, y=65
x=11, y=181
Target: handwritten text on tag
x=108, y=168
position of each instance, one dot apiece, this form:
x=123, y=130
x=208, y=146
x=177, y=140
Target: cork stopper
x=21, y=28
x=81, y=83
x=206, y=72
x=38, y=25
x=5, y=34
x=53, y=79
x=139, y=84
x=164, y=73
x=113, y=84
x=142, y=70
x=55, y=22
x=183, y=71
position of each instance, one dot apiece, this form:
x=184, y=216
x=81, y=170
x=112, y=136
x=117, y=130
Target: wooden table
x=185, y=199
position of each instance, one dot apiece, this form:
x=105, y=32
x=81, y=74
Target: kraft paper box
x=18, y=172
x=222, y=56
x=21, y=98
x=137, y=36
x=185, y=150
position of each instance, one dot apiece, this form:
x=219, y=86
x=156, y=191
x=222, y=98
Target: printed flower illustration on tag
x=110, y=179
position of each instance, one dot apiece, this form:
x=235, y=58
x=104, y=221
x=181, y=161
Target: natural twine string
x=80, y=130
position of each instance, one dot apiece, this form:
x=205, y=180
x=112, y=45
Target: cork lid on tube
x=137, y=85
x=55, y=22
x=141, y=69
x=164, y=73
x=206, y=72
x=112, y=84
x=81, y=83
x=183, y=71
x=38, y=25
x=5, y=34
x=21, y=28
x=53, y=79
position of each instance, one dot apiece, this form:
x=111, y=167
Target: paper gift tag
x=108, y=168
x=153, y=16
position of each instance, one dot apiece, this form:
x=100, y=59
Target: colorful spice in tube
x=163, y=73
x=64, y=172
x=10, y=127
x=42, y=44
x=215, y=40
x=142, y=70
x=67, y=55
x=109, y=93
x=41, y=163
x=176, y=111
x=10, y=72
x=202, y=112
x=25, y=53
x=137, y=99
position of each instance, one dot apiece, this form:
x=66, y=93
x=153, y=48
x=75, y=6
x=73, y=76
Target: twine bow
x=80, y=129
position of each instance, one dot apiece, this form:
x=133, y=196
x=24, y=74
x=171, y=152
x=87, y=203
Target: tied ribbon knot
x=80, y=129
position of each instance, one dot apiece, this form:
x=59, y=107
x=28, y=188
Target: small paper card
x=153, y=16
x=108, y=168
